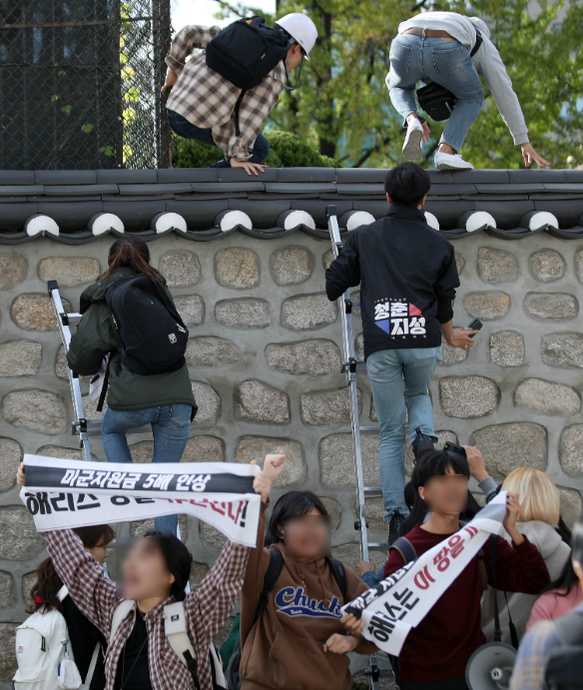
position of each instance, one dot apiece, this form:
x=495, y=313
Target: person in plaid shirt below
x=542, y=639
x=155, y=573
x=202, y=103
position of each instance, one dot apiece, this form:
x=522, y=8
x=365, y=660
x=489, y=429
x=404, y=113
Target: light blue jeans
x=399, y=380
x=448, y=63
x=170, y=426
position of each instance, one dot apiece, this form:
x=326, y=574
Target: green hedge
x=287, y=151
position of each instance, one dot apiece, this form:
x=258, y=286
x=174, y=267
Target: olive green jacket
x=97, y=335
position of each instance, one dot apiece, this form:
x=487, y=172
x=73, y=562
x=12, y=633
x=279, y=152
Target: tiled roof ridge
x=77, y=206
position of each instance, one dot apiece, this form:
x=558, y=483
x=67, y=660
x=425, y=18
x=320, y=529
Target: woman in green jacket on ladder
x=148, y=380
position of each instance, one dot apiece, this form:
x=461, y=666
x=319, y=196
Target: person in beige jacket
x=298, y=643
x=537, y=520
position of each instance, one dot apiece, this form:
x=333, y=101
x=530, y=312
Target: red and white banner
x=62, y=494
x=402, y=601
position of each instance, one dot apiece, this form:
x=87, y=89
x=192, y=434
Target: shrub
x=287, y=151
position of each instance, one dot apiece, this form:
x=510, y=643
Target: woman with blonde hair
x=538, y=520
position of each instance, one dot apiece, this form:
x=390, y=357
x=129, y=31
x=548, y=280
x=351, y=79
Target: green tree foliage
x=287, y=151
x=342, y=106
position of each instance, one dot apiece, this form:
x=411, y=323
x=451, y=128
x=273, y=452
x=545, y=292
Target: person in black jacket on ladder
x=408, y=277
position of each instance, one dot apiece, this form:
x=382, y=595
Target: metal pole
x=80, y=423
x=349, y=368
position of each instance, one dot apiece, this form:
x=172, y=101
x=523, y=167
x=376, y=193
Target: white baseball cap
x=300, y=27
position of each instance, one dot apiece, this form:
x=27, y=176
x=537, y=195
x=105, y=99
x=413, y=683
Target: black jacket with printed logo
x=407, y=275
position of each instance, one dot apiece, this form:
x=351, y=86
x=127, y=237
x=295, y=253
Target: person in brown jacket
x=298, y=643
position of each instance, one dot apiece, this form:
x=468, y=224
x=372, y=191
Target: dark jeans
x=181, y=126
x=458, y=683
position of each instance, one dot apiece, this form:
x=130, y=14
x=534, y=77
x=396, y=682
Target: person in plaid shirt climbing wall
x=154, y=575
x=223, y=96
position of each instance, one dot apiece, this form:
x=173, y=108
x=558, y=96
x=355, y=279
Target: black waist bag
x=152, y=333
x=437, y=101
x=246, y=51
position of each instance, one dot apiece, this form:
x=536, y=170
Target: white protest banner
x=402, y=601
x=63, y=494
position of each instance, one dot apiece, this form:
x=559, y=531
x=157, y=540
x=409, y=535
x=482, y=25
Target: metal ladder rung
x=378, y=546
x=70, y=318
x=373, y=491
x=369, y=429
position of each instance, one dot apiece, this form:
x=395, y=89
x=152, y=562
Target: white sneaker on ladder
x=412, y=146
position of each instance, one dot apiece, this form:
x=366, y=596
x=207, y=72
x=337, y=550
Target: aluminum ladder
x=81, y=427
x=350, y=367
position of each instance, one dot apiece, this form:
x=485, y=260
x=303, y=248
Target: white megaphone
x=490, y=667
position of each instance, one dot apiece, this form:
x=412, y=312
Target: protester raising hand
x=512, y=510
x=272, y=468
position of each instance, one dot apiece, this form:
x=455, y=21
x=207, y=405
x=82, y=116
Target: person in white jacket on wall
x=436, y=47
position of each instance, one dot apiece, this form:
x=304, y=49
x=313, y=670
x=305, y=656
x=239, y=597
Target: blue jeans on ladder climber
x=399, y=380
x=170, y=426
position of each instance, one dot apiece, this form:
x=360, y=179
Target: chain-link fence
x=80, y=84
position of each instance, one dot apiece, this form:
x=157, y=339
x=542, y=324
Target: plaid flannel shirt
x=533, y=656
x=207, y=609
x=207, y=100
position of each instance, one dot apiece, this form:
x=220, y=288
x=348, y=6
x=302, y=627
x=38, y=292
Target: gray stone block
x=13, y=270
x=328, y=407
x=18, y=536
x=36, y=410
x=192, y=309
x=334, y=511
x=256, y=401
x=180, y=268
x=359, y=347
x=8, y=665
x=467, y=397
x=142, y=451
x=28, y=581
x=308, y=312
x=579, y=264
x=11, y=457
x=69, y=271
x=208, y=351
x=507, y=348
x=496, y=265
x=204, y=449
x=237, y=268
x=209, y=404
x=291, y=265
x=545, y=397
x=571, y=505
x=508, y=446
x=547, y=265
x=556, y=306
x=487, y=306
x=34, y=312
x=307, y=357
x=571, y=450
x=198, y=571
x=211, y=536
x=20, y=358
x=244, y=312
x=336, y=458
x=563, y=350
x=53, y=451
x=61, y=366
x=328, y=258
x=460, y=262
x=451, y=355
x=257, y=447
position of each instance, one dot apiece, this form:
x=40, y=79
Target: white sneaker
x=412, y=146
x=448, y=161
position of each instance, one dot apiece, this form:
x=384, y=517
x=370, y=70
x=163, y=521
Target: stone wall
x=264, y=359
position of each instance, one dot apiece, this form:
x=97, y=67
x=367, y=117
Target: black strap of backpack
x=339, y=573
x=236, y=113
x=405, y=548
x=104, y=387
x=273, y=570
x=192, y=667
x=513, y=633
x=477, y=44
